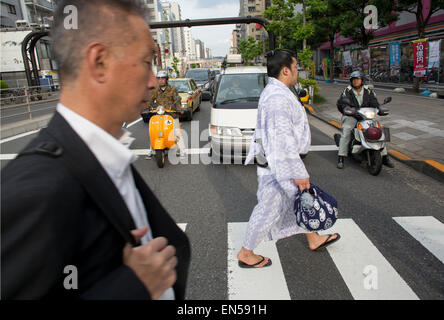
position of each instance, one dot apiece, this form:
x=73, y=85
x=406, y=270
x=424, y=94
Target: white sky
x=217, y=38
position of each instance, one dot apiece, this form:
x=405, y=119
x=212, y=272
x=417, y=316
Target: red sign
x=419, y=58
x=258, y=26
x=167, y=51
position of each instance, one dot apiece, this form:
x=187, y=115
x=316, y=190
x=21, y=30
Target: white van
x=234, y=111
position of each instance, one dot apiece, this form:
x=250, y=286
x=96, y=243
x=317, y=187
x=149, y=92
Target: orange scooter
x=161, y=130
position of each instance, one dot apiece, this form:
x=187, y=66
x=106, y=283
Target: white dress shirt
x=114, y=155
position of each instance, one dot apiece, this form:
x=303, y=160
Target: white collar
x=113, y=153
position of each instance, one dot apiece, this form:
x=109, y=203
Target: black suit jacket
x=61, y=211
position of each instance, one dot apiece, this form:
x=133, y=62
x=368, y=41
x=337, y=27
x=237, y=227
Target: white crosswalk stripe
x=254, y=284
x=427, y=230
x=367, y=274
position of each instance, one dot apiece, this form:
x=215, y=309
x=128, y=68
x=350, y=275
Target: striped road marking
x=144, y=152
x=367, y=274
x=183, y=226
x=254, y=284
x=19, y=136
x=427, y=230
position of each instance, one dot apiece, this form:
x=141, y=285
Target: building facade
x=402, y=31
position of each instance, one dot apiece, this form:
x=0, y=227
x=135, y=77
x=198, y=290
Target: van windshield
x=235, y=88
x=197, y=75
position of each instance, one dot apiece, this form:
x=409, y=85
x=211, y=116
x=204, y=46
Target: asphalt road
x=15, y=114
x=209, y=197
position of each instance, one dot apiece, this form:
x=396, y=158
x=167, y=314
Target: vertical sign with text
x=419, y=57
x=395, y=58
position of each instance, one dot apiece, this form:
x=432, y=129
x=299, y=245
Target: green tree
x=281, y=16
x=249, y=49
x=422, y=17
x=174, y=64
x=353, y=18
x=328, y=15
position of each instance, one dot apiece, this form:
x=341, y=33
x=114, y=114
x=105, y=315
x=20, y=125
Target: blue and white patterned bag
x=315, y=210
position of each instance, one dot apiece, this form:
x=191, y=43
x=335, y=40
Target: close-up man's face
x=162, y=82
x=132, y=73
x=294, y=71
x=357, y=82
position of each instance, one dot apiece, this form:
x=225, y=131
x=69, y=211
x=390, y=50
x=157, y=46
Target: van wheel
x=160, y=158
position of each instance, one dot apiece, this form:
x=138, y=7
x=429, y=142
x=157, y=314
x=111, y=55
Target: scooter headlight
x=370, y=114
x=160, y=110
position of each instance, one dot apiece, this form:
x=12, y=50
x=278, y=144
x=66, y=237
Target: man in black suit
x=77, y=219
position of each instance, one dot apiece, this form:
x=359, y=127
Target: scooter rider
x=168, y=97
x=361, y=96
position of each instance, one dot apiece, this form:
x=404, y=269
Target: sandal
x=326, y=243
x=244, y=265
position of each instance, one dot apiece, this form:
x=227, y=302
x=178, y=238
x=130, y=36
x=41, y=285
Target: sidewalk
x=391, y=86
x=415, y=123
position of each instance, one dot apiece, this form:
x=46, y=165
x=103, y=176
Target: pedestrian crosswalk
x=367, y=274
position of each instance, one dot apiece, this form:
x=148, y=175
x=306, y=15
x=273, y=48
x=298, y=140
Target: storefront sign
x=419, y=57
x=365, y=60
x=434, y=52
x=395, y=58
x=347, y=58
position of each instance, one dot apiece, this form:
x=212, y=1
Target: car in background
x=234, y=111
x=204, y=79
x=190, y=94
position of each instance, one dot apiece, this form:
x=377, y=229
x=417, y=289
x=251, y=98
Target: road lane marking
x=254, y=284
x=19, y=136
x=144, y=152
x=133, y=123
x=183, y=226
x=10, y=156
x=354, y=254
x=427, y=230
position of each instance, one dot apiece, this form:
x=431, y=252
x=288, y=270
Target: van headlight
x=226, y=131
x=160, y=110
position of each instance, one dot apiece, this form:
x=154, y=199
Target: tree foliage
x=249, y=49
x=353, y=16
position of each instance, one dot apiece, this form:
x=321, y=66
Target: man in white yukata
x=283, y=134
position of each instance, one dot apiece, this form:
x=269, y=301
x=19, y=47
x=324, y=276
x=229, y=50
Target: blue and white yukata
x=282, y=127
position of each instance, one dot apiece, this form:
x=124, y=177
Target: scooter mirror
x=387, y=100
x=302, y=93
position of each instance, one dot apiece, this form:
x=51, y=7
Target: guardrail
x=15, y=98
